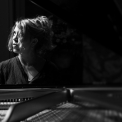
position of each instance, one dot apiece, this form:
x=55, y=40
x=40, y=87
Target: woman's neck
x=27, y=60
x=36, y=62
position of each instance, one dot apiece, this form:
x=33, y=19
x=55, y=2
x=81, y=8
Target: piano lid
x=100, y=20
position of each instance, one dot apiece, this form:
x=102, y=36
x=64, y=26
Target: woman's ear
x=34, y=41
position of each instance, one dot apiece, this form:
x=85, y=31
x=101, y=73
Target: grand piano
x=71, y=100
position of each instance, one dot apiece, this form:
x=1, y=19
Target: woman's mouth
x=14, y=45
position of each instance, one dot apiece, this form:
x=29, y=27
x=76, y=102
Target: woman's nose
x=15, y=39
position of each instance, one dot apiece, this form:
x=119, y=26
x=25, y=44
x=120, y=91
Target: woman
x=29, y=39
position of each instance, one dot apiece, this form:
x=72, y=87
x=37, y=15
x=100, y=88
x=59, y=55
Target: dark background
x=87, y=40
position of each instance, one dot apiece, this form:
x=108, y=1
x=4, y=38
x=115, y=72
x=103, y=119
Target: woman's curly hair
x=39, y=27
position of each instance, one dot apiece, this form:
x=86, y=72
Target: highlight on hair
x=39, y=27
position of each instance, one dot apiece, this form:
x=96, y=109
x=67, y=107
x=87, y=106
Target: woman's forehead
x=17, y=29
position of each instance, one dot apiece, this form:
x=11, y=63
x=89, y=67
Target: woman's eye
x=20, y=35
x=14, y=33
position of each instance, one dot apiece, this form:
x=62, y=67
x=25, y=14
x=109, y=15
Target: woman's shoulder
x=8, y=62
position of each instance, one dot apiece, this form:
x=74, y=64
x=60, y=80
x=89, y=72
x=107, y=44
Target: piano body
x=61, y=104
x=66, y=103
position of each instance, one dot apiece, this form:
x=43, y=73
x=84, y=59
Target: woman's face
x=21, y=43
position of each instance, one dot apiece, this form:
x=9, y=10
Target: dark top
x=12, y=72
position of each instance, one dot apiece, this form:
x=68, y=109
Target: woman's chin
x=15, y=51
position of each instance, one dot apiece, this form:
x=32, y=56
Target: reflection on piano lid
x=100, y=20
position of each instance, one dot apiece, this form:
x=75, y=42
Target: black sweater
x=12, y=72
